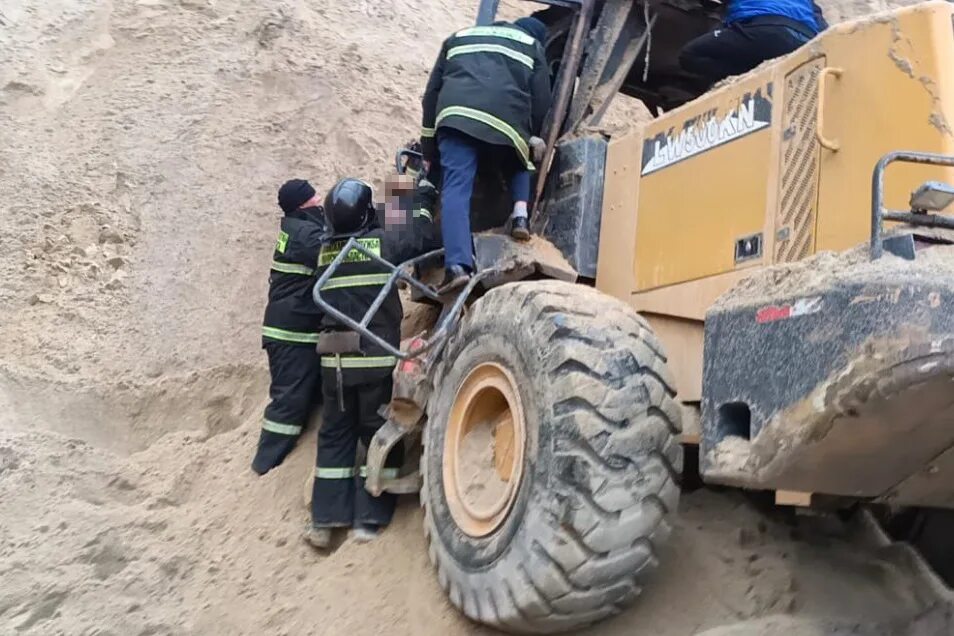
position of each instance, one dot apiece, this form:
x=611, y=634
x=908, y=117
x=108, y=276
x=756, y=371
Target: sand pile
x=182, y=539
x=141, y=145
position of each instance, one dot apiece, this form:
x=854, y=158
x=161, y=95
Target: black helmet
x=349, y=206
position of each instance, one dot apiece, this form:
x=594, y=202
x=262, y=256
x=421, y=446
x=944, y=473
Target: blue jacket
x=800, y=10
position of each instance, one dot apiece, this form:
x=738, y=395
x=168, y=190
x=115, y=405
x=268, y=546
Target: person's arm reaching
x=304, y=244
x=540, y=96
x=425, y=200
x=429, y=107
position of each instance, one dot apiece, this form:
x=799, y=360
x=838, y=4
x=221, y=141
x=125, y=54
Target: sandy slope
x=148, y=139
x=182, y=539
x=141, y=142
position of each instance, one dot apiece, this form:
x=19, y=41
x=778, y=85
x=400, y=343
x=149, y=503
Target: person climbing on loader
x=291, y=325
x=485, y=101
x=356, y=373
x=753, y=31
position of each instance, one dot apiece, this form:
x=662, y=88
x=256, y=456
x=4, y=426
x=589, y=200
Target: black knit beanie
x=293, y=194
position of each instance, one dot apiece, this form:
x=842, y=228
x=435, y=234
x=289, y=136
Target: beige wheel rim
x=484, y=450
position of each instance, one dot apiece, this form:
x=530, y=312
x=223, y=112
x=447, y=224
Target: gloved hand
x=429, y=150
x=426, y=187
x=538, y=149
x=426, y=194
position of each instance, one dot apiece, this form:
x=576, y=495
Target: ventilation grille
x=795, y=223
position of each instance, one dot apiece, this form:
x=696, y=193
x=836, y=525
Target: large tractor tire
x=550, y=458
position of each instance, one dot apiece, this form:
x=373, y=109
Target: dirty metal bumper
x=407, y=482
x=848, y=391
x=404, y=418
x=502, y=260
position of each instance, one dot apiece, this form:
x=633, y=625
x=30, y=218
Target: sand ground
x=141, y=142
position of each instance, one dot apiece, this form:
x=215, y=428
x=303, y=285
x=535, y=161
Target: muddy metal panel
x=895, y=92
x=574, y=197
x=705, y=177
x=848, y=392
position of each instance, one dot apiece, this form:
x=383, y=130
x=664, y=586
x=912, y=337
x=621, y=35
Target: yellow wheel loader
x=765, y=271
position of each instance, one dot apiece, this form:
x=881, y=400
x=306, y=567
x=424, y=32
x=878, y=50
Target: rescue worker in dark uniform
x=357, y=382
x=291, y=326
x=486, y=100
x=753, y=31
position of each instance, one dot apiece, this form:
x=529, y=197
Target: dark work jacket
x=357, y=282
x=491, y=83
x=291, y=315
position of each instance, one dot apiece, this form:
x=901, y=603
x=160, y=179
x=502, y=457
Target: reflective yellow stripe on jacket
x=510, y=33
x=292, y=268
x=526, y=60
x=358, y=362
x=290, y=336
x=358, y=280
x=494, y=122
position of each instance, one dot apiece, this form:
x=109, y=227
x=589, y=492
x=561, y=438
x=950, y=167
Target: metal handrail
x=442, y=329
x=879, y=214
x=553, y=124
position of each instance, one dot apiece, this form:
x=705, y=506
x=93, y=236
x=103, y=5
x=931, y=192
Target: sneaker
x=366, y=533
x=318, y=537
x=455, y=277
x=520, y=228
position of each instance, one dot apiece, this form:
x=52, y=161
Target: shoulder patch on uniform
x=282, y=242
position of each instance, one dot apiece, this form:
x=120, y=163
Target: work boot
x=272, y=450
x=366, y=533
x=520, y=228
x=318, y=537
x=455, y=277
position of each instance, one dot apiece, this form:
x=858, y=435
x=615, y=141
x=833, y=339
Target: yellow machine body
x=772, y=167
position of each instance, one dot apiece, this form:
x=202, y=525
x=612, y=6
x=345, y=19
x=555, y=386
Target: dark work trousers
x=459, y=157
x=338, y=495
x=295, y=392
x=737, y=49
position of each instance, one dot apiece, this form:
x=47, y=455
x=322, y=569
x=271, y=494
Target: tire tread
x=589, y=547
